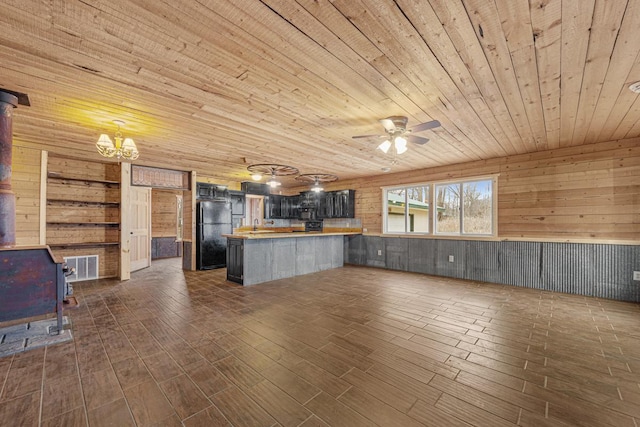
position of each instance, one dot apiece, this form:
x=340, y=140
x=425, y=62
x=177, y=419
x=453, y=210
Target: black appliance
x=213, y=219
x=312, y=226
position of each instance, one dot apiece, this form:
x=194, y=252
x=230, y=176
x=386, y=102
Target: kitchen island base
x=253, y=261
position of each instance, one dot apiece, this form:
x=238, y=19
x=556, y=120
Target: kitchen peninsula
x=261, y=256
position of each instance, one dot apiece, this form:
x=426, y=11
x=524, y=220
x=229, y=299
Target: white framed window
x=464, y=207
x=406, y=209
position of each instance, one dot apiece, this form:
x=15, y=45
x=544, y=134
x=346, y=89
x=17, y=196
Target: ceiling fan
x=397, y=132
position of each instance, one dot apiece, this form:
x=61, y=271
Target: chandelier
x=316, y=179
x=122, y=149
x=274, y=170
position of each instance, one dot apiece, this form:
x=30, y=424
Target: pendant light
x=317, y=179
x=273, y=170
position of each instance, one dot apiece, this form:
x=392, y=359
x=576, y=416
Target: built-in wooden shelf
x=61, y=177
x=85, y=224
x=80, y=202
x=82, y=245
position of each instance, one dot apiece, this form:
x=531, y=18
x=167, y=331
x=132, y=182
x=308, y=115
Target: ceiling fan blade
x=369, y=136
x=425, y=126
x=388, y=124
x=416, y=139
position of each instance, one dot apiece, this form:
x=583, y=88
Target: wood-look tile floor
x=350, y=347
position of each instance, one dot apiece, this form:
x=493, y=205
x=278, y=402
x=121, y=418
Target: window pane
x=448, y=208
x=477, y=199
x=418, y=209
x=395, y=210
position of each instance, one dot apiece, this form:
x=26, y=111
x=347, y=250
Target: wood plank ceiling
x=214, y=86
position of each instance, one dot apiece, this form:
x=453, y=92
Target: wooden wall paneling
x=84, y=170
x=586, y=192
x=65, y=212
x=163, y=215
x=81, y=234
x=25, y=183
x=95, y=192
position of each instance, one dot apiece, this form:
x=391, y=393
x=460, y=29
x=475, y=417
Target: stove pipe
x=7, y=198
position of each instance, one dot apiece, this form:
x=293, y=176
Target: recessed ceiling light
x=635, y=87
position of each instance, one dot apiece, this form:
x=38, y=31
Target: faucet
x=255, y=224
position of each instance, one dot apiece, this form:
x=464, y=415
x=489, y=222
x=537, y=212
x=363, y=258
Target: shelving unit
x=83, y=210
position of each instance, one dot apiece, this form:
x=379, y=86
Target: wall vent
x=86, y=267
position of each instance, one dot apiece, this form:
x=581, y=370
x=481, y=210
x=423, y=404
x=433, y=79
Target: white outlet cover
x=636, y=275
x=451, y=258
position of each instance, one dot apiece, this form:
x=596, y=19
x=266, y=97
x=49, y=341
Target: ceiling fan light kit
x=399, y=143
x=398, y=135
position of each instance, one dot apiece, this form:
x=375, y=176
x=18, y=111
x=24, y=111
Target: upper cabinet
x=206, y=191
x=330, y=204
x=281, y=207
x=337, y=204
x=237, y=203
x=255, y=188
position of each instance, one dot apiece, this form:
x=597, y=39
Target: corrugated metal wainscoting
x=598, y=270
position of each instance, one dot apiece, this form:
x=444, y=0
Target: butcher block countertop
x=283, y=234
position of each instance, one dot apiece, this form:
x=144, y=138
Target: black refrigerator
x=213, y=219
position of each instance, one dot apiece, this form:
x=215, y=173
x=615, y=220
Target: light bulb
x=384, y=147
x=401, y=145
x=256, y=176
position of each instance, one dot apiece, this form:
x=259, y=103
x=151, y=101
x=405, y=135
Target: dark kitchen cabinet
x=336, y=204
x=249, y=187
x=237, y=203
x=281, y=207
x=290, y=205
x=272, y=206
x=206, y=191
x=235, y=260
x=343, y=204
x=330, y=204
x=310, y=199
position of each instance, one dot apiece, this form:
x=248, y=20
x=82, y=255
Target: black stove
x=312, y=226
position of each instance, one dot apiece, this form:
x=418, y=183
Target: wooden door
x=140, y=218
